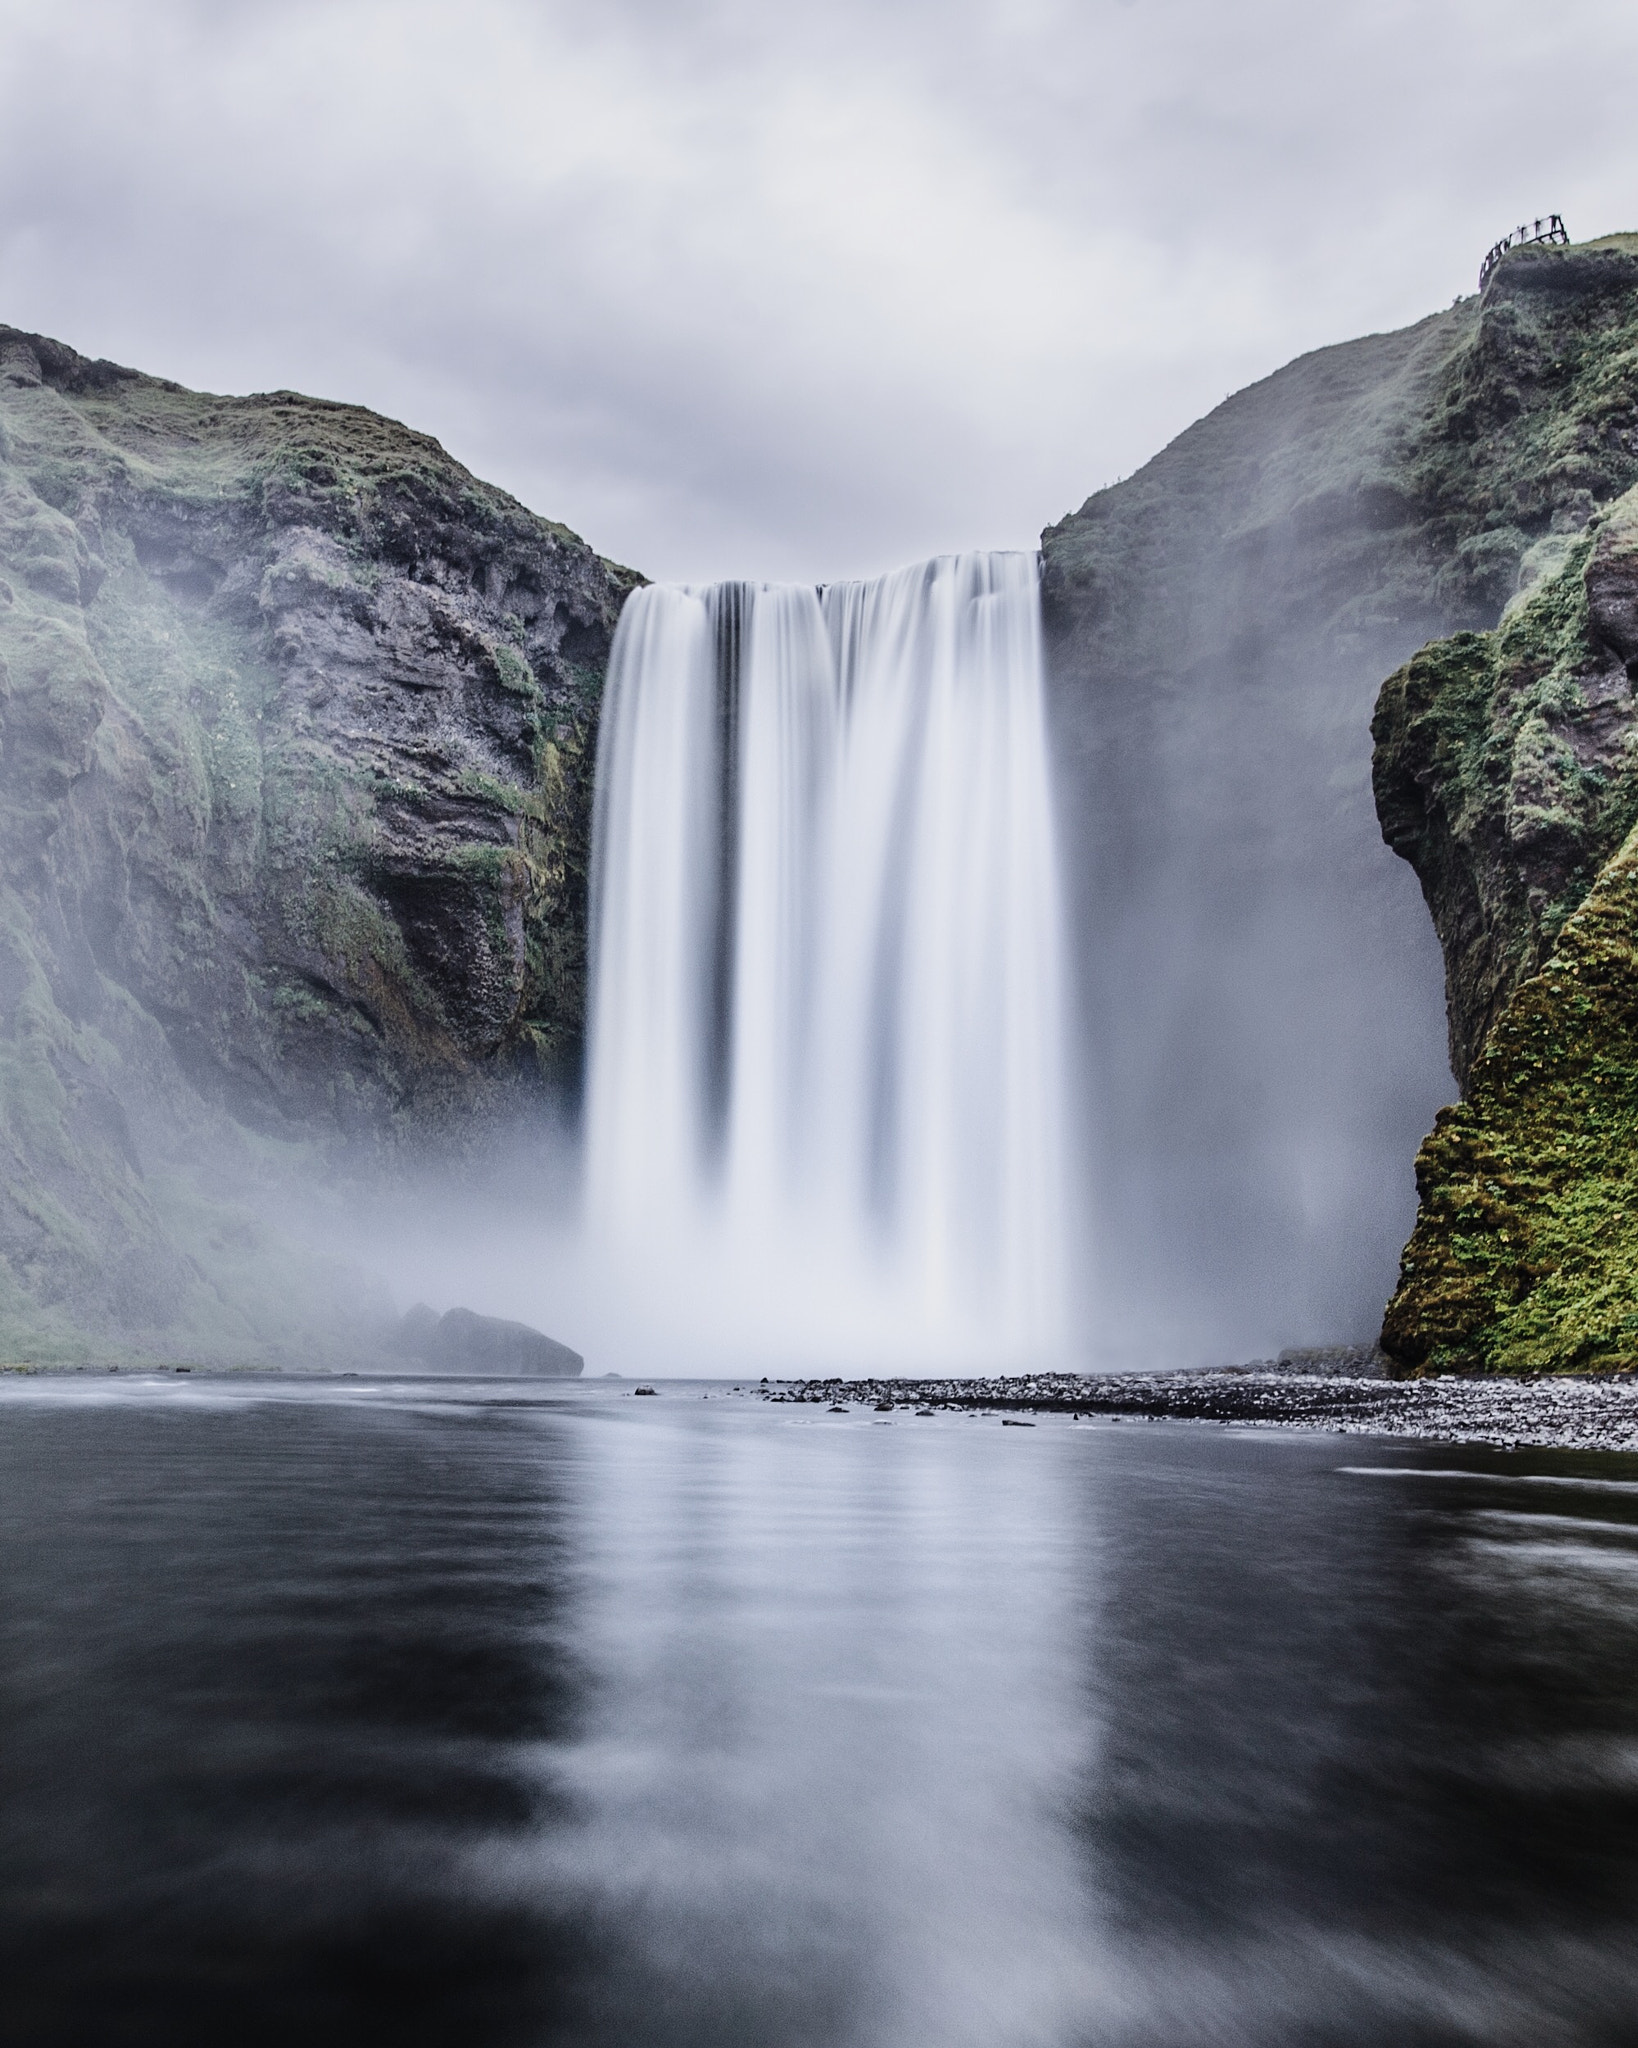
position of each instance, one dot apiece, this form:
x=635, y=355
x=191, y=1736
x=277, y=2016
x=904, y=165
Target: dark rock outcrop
x=461, y=1341
x=298, y=723
x=1503, y=769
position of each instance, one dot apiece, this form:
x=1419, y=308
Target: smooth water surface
x=494, y=1714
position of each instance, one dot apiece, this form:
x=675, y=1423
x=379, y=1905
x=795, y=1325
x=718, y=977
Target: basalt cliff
x=296, y=725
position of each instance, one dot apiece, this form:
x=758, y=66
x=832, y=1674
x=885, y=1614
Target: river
x=492, y=1713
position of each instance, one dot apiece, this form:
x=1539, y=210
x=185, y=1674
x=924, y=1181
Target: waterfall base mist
x=827, y=1088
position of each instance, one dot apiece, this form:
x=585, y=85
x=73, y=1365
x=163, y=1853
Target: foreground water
x=483, y=1715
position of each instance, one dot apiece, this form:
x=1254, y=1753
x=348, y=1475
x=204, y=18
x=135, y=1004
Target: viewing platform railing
x=1552, y=229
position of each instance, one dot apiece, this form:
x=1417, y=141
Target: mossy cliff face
x=1506, y=772
x=1525, y=1253
x=297, y=722
x=1504, y=768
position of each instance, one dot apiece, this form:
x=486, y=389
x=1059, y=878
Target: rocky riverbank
x=1579, y=1413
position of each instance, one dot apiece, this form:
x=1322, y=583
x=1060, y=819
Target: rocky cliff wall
x=1507, y=774
x=296, y=732
x=1260, y=983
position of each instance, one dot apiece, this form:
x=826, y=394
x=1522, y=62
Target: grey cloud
x=733, y=289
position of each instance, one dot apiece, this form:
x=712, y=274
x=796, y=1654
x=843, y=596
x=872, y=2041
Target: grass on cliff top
x=1525, y=1253
x=199, y=447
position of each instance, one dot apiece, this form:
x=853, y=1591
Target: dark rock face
x=298, y=728
x=461, y=1341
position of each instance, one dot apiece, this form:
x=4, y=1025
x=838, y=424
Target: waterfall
x=826, y=1089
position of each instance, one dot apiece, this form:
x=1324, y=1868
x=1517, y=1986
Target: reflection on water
x=487, y=1716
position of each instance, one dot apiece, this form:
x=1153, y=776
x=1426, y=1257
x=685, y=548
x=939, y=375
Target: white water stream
x=827, y=1105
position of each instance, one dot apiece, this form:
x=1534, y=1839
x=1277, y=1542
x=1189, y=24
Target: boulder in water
x=463, y=1341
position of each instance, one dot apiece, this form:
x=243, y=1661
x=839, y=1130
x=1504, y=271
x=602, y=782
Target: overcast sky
x=761, y=289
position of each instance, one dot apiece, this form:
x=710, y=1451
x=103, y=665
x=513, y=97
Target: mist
x=1262, y=994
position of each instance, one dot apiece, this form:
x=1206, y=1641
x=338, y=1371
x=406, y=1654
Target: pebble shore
x=1570, y=1413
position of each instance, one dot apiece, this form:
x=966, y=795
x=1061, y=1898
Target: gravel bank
x=1568, y=1413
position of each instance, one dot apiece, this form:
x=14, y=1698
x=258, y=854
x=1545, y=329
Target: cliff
x=296, y=734
x=1258, y=981
x=1506, y=773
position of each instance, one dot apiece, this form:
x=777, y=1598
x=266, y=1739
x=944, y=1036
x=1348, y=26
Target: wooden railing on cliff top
x=1551, y=229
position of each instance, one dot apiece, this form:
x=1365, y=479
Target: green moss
x=297, y=1002
x=1525, y=1252
x=513, y=671
x=557, y=843
x=507, y=796
x=1437, y=708
x=199, y=698
x=367, y=958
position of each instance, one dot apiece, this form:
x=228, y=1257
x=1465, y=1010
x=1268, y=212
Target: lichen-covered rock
x=296, y=732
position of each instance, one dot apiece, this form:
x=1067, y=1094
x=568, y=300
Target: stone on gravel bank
x=461, y=1340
